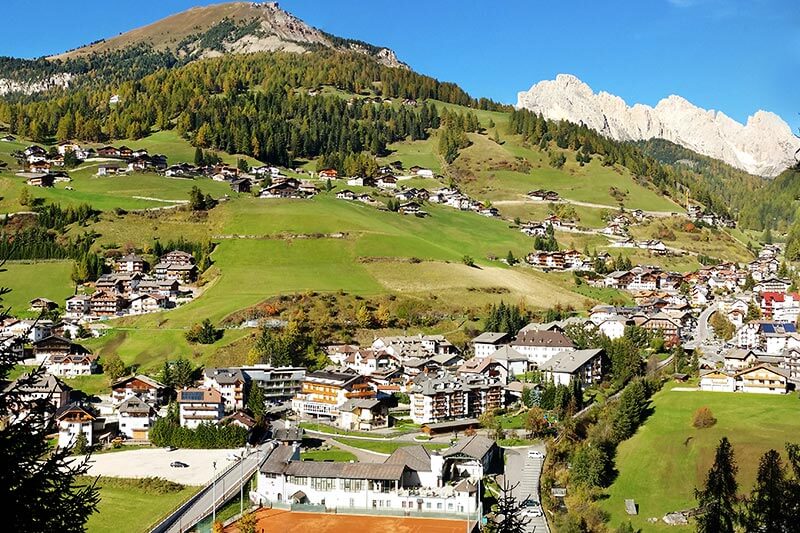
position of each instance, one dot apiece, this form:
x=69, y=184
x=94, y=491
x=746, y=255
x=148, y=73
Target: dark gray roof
x=359, y=403
x=44, y=382
x=491, y=337
x=225, y=376
x=738, y=353
x=571, y=361
x=507, y=353
x=476, y=447
x=339, y=378
x=134, y=405
x=542, y=338
x=415, y=457
x=288, y=435
x=279, y=463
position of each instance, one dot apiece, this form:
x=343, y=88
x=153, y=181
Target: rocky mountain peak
x=764, y=146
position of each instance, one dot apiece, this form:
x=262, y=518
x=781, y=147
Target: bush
x=703, y=418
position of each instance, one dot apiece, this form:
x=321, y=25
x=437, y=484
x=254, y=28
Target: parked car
x=178, y=464
x=535, y=454
x=532, y=508
x=170, y=448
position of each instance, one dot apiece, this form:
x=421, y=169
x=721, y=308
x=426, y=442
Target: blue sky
x=736, y=56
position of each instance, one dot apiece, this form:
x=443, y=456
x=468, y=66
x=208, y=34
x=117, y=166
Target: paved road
x=227, y=485
x=704, y=339
x=703, y=332
x=661, y=214
x=524, y=472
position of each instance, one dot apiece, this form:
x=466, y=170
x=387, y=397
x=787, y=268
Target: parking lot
x=155, y=462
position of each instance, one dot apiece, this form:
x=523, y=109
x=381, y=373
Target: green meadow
x=662, y=464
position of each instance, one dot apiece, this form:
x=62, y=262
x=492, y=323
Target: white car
x=535, y=454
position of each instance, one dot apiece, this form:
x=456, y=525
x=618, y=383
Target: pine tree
x=255, y=402
x=717, y=500
x=81, y=445
x=766, y=509
x=199, y=159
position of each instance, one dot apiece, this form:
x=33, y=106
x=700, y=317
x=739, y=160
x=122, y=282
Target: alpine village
x=260, y=278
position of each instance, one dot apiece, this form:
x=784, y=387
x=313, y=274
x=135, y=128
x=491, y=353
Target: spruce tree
x=717, y=500
x=767, y=507
x=40, y=485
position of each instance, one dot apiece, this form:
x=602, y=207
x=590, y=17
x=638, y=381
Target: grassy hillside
x=271, y=247
x=662, y=464
x=45, y=279
x=287, y=249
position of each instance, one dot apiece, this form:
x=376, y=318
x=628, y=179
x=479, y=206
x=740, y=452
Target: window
x=427, y=505
x=323, y=484
x=353, y=485
x=439, y=505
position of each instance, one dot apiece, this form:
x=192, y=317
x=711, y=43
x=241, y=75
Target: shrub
x=703, y=418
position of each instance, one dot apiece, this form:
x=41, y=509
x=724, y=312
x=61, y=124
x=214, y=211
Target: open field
x=711, y=242
x=415, y=153
x=298, y=522
x=132, y=191
x=662, y=464
x=373, y=257
x=127, y=509
x=28, y=280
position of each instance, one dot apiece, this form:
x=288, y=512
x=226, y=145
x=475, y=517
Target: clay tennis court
x=281, y=521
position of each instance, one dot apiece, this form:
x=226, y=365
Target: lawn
x=386, y=447
x=124, y=509
x=28, y=280
x=662, y=464
x=415, y=153
x=334, y=454
x=176, y=148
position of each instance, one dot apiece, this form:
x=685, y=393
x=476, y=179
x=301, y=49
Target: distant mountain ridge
x=200, y=32
x=765, y=146
x=233, y=27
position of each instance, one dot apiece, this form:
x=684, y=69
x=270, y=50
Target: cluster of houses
x=446, y=391
x=133, y=406
x=617, y=226
x=134, y=288
x=45, y=164
x=412, y=198
x=709, y=218
x=654, y=246
x=136, y=401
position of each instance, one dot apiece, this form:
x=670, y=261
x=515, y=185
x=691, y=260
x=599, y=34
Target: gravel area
x=155, y=462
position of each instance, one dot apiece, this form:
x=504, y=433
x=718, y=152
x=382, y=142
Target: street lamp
x=214, y=495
